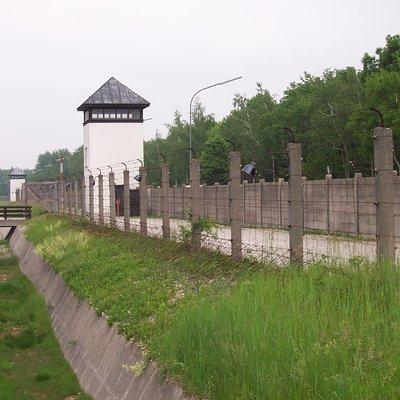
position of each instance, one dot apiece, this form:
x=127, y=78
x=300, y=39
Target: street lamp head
x=138, y=178
x=230, y=80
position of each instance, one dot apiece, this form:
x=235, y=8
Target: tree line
x=328, y=114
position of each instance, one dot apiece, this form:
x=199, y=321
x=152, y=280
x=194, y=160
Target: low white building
x=17, y=178
x=112, y=131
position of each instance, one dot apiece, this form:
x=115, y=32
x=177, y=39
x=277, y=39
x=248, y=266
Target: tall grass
x=232, y=330
x=315, y=334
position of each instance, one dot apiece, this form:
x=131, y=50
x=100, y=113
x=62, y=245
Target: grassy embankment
x=31, y=363
x=238, y=330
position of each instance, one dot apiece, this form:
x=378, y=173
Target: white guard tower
x=17, y=178
x=112, y=130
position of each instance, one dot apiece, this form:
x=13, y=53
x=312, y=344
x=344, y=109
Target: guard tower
x=17, y=178
x=112, y=128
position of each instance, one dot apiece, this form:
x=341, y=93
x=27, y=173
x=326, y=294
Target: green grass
x=232, y=330
x=37, y=209
x=31, y=363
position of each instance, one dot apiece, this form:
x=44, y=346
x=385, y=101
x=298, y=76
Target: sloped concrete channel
x=101, y=358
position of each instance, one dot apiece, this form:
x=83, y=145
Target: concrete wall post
x=195, y=202
x=280, y=184
x=203, y=199
x=328, y=185
x=127, y=202
x=356, y=183
x=143, y=200
x=91, y=198
x=295, y=204
x=70, y=197
x=55, y=198
x=101, y=199
x=174, y=201
x=111, y=185
x=235, y=204
x=261, y=200
x=165, y=200
x=64, y=197
x=216, y=193
x=83, y=197
x=76, y=198
x=245, y=189
x=25, y=194
x=63, y=188
x=384, y=194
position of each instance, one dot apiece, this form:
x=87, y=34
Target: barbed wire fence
x=298, y=221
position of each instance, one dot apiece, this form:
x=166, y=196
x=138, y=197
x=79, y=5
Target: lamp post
x=191, y=101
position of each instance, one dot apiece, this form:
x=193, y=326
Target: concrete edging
x=97, y=353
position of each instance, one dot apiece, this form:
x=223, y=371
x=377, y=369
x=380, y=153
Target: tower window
x=97, y=113
x=122, y=113
x=109, y=113
x=134, y=114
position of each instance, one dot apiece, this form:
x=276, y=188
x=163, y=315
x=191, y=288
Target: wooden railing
x=15, y=212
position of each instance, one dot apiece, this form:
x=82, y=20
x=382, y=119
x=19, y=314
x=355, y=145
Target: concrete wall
x=95, y=350
x=335, y=205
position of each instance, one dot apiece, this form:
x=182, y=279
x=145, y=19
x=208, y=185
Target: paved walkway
x=273, y=244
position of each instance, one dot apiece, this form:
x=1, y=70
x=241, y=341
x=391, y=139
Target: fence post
x=245, y=189
x=55, y=197
x=59, y=197
x=25, y=194
x=216, y=186
x=83, y=196
x=143, y=200
x=111, y=185
x=66, y=198
x=261, y=199
x=101, y=199
x=384, y=194
x=328, y=185
x=127, y=202
x=356, y=183
x=304, y=198
x=70, y=198
x=165, y=200
x=91, y=198
x=295, y=204
x=76, y=197
x=203, y=199
x=235, y=204
x=280, y=184
x=195, y=202
x=63, y=197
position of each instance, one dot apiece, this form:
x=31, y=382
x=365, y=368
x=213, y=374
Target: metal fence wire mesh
x=340, y=218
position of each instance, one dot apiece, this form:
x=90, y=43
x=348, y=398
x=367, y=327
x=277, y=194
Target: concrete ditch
x=107, y=365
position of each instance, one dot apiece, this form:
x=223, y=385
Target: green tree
x=47, y=167
x=214, y=160
x=175, y=146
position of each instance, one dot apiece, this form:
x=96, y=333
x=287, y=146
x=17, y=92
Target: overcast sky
x=55, y=53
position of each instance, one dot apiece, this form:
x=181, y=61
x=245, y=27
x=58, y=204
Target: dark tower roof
x=17, y=172
x=114, y=93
